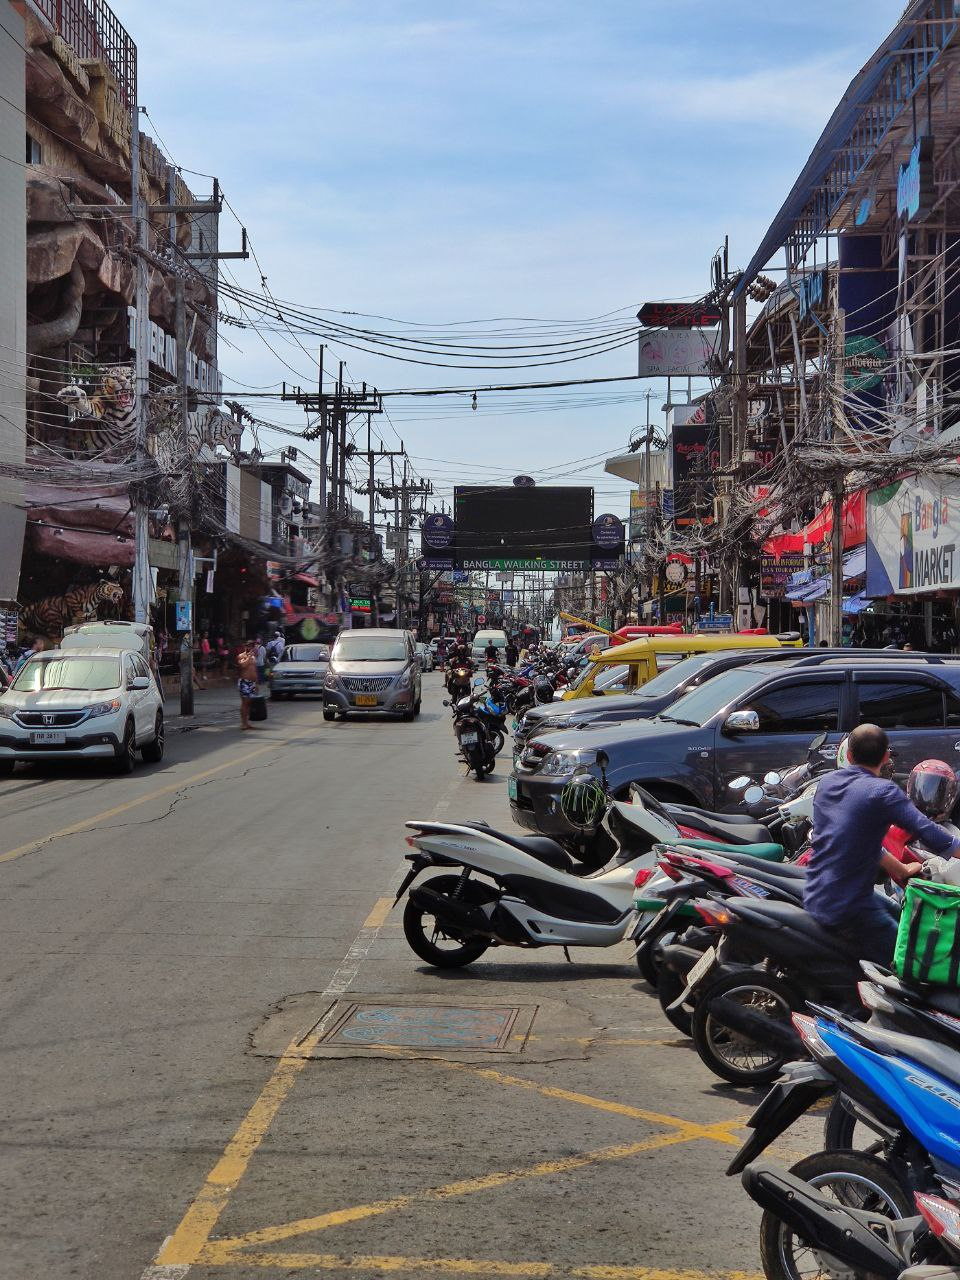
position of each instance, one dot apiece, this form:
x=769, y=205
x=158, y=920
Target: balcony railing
x=93, y=30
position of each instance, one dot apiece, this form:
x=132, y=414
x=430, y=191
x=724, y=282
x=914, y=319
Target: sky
x=451, y=162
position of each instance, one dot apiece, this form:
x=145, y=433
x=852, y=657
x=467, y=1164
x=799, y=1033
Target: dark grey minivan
x=373, y=671
x=749, y=720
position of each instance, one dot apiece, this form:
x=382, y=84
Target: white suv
x=89, y=704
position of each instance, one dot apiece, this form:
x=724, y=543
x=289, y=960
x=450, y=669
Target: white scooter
x=500, y=889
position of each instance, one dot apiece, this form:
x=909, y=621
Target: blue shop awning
x=855, y=563
x=814, y=591
x=856, y=604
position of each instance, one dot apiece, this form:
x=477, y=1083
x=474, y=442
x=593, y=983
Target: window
x=34, y=151
x=809, y=707
x=901, y=704
x=953, y=709
x=612, y=679
x=73, y=673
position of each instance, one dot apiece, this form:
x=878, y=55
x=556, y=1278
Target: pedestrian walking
x=247, y=685
x=223, y=653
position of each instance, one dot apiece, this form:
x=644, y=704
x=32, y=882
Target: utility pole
x=142, y=580
x=184, y=548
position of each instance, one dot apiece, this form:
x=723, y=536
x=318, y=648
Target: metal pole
x=142, y=582
x=323, y=436
x=184, y=549
x=836, y=565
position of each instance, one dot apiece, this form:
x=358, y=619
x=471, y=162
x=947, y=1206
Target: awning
x=307, y=579
x=820, y=527
x=855, y=563
x=814, y=591
x=856, y=604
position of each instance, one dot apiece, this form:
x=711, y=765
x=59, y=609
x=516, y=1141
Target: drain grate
x=487, y=1028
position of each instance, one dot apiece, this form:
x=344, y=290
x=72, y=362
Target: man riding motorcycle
x=852, y=811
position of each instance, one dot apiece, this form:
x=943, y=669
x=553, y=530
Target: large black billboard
x=512, y=527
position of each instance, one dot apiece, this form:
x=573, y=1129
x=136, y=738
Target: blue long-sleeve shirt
x=851, y=813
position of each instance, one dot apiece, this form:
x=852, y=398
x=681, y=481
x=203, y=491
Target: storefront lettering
x=933, y=567
x=931, y=514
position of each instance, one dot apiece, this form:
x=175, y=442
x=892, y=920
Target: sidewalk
x=217, y=704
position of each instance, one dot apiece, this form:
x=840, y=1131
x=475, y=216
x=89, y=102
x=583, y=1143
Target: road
x=170, y=938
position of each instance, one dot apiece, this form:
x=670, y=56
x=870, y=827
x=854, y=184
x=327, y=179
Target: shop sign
x=812, y=290
x=865, y=361
x=184, y=609
x=912, y=533
x=678, y=315
x=437, y=531
x=776, y=573
x=669, y=352
x=608, y=532
x=915, y=187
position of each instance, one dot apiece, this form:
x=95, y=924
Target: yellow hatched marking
x=230, y=1249
x=201, y=1217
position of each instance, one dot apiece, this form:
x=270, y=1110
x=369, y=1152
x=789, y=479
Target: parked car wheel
x=152, y=752
x=329, y=713
x=127, y=752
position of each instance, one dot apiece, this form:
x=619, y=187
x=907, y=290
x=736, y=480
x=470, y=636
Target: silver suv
x=372, y=671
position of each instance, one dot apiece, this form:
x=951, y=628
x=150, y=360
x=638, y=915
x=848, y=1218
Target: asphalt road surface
x=172, y=940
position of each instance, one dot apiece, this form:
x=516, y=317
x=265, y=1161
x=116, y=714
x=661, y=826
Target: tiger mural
x=108, y=417
x=49, y=617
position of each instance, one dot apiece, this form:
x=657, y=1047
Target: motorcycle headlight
x=104, y=708
x=560, y=763
x=404, y=680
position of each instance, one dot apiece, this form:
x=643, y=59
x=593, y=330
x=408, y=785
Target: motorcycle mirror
x=739, y=784
x=818, y=742
x=772, y=779
x=753, y=795
x=602, y=759
x=446, y=702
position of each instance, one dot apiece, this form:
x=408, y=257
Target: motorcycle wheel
x=498, y=742
x=854, y=1179
x=479, y=768
x=668, y=988
x=732, y=1055
x=429, y=941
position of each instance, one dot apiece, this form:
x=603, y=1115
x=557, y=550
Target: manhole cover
x=488, y=1028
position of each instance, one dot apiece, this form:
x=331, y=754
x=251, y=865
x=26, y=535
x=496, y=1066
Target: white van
x=482, y=639
x=110, y=634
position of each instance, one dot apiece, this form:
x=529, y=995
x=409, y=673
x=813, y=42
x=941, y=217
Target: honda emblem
x=49, y=719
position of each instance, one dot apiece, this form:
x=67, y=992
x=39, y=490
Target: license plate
x=51, y=736
x=696, y=976
x=512, y=790
x=366, y=700
x=469, y=739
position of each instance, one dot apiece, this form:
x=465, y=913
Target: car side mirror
x=139, y=682
x=742, y=722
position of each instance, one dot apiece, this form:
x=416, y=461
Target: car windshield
x=370, y=649
x=687, y=668
x=306, y=653
x=701, y=704
x=86, y=674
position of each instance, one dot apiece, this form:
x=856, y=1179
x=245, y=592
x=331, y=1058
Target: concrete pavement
x=168, y=941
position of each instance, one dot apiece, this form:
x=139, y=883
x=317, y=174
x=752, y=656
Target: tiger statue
x=50, y=616
x=108, y=417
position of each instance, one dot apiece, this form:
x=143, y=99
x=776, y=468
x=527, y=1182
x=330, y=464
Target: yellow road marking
x=378, y=915
x=392, y=1264
x=211, y=1200
x=714, y=1132
x=88, y=824
x=230, y=1249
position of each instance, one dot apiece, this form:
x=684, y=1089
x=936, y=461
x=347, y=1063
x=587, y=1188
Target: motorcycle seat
x=787, y=916
x=780, y=870
x=731, y=833
x=937, y=1057
x=766, y=851
x=542, y=848
x=943, y=999
x=691, y=811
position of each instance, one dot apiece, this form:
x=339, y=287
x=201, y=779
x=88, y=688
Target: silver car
x=375, y=670
x=300, y=670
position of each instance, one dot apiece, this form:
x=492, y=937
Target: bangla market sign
x=912, y=528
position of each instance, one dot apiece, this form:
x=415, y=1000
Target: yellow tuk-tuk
x=628, y=666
